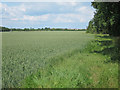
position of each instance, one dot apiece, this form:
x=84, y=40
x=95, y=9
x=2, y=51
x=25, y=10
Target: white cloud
x=36, y=18
x=0, y=5
x=41, y=13
x=62, y=20
x=0, y=10
x=12, y=12
x=56, y=18
x=47, y=0
x=69, y=18
x=85, y=10
x=33, y=18
x=67, y=3
x=15, y=19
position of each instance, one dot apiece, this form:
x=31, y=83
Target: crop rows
x=24, y=53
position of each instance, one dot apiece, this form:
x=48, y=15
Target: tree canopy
x=106, y=18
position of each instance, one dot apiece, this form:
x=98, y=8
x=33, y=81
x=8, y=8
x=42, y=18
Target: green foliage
x=24, y=53
x=105, y=45
x=83, y=68
x=106, y=18
x=4, y=29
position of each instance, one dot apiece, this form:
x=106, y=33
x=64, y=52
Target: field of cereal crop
x=24, y=53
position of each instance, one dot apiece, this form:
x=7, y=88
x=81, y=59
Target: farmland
x=95, y=66
x=24, y=53
x=44, y=47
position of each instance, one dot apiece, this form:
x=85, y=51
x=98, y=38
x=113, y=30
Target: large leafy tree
x=106, y=18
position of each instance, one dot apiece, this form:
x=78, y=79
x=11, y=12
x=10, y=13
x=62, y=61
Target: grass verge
x=94, y=67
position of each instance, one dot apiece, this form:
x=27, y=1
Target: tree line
x=5, y=29
x=106, y=18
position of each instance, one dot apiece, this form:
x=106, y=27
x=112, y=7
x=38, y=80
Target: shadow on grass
x=108, y=48
x=105, y=42
x=105, y=36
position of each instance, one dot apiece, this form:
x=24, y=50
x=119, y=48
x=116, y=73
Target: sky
x=46, y=14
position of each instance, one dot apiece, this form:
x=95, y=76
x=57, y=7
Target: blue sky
x=46, y=14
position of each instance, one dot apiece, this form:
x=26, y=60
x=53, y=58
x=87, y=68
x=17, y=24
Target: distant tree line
x=106, y=18
x=5, y=29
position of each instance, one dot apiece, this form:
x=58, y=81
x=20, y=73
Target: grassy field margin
x=96, y=66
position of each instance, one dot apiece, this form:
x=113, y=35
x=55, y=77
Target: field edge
x=91, y=67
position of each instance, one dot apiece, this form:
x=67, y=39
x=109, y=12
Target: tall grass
x=91, y=67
